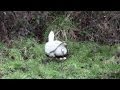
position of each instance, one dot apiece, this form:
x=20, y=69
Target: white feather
x=61, y=50
x=52, y=44
x=51, y=36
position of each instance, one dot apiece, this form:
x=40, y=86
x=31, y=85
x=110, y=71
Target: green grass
x=87, y=60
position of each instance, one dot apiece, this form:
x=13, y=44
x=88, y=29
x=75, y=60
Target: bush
x=98, y=26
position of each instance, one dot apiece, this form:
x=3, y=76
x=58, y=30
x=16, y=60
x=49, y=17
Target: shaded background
x=98, y=26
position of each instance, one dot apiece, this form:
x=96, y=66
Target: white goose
x=55, y=48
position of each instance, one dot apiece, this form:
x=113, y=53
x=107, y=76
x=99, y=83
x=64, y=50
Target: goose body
x=55, y=48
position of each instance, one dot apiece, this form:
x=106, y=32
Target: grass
x=87, y=60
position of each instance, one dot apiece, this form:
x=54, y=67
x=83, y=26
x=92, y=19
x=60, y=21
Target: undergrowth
x=86, y=60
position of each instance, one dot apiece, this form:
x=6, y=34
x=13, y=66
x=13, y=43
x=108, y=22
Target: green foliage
x=98, y=26
x=86, y=60
x=25, y=57
x=61, y=25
